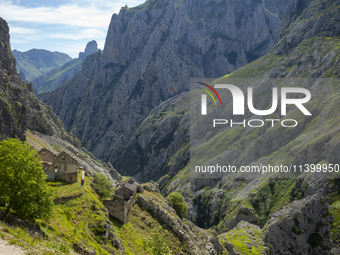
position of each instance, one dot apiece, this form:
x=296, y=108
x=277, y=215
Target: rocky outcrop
x=58, y=76
x=245, y=238
x=198, y=241
x=91, y=48
x=301, y=228
x=151, y=52
x=83, y=251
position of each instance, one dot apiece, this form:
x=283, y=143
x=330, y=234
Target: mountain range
x=130, y=106
x=151, y=52
x=33, y=63
x=58, y=76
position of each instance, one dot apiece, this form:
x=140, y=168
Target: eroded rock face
x=301, y=228
x=150, y=54
x=7, y=61
x=198, y=241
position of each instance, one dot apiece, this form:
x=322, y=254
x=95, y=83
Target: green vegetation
x=272, y=196
x=176, y=200
x=82, y=220
x=157, y=243
x=242, y=237
x=34, y=244
x=102, y=186
x=143, y=231
x=23, y=189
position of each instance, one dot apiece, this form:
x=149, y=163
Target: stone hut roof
x=130, y=184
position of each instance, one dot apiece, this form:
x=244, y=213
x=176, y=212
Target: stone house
x=62, y=167
x=123, y=199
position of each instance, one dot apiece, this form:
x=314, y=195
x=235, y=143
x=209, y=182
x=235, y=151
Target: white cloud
x=85, y=34
x=70, y=14
x=64, y=25
x=22, y=30
x=23, y=34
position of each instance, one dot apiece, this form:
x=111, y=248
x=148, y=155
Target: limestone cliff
x=151, y=52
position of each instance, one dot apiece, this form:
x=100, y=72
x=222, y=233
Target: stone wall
x=119, y=208
x=46, y=155
x=64, y=167
x=71, y=177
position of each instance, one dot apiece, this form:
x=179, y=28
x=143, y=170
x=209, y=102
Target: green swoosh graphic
x=208, y=92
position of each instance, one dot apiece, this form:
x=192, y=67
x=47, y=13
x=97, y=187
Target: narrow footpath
x=7, y=249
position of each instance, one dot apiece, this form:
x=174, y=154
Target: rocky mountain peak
x=91, y=47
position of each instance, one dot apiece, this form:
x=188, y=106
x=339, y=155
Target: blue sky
x=59, y=25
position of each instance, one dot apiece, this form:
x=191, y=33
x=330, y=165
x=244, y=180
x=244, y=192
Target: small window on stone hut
x=56, y=169
x=65, y=168
x=63, y=156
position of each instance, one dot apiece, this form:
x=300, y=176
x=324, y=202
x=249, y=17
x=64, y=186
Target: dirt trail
x=7, y=249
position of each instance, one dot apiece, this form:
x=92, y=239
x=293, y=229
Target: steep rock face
x=19, y=108
x=13, y=115
x=36, y=62
x=160, y=145
x=58, y=76
x=91, y=47
x=150, y=53
x=303, y=228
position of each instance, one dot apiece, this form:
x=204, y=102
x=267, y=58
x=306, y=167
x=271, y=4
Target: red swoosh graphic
x=213, y=90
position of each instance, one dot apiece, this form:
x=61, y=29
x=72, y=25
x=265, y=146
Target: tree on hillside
x=177, y=202
x=102, y=186
x=23, y=188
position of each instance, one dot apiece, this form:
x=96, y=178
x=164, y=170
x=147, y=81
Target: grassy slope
x=82, y=220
